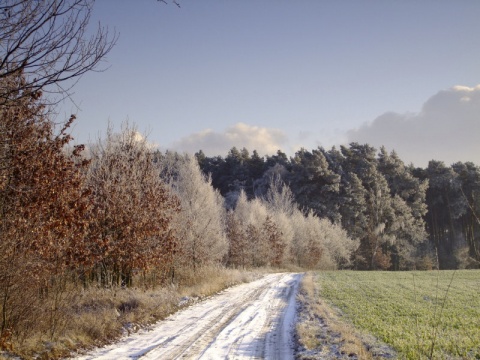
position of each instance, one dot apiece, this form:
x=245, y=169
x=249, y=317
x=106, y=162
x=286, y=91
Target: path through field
x=248, y=321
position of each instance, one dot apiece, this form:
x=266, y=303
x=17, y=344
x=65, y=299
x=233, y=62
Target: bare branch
x=47, y=42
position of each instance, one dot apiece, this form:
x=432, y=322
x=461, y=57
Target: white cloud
x=264, y=140
x=447, y=129
x=139, y=137
x=465, y=88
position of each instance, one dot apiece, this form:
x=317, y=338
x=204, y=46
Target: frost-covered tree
x=281, y=205
x=252, y=215
x=237, y=256
x=258, y=242
x=274, y=240
x=354, y=209
x=375, y=234
x=279, y=197
x=338, y=245
x=306, y=250
x=200, y=224
x=133, y=209
x=256, y=234
x=402, y=182
x=318, y=243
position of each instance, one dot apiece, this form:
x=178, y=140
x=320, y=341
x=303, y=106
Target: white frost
x=248, y=321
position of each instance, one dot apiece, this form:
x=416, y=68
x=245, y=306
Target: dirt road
x=248, y=321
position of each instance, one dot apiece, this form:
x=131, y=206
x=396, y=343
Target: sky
x=285, y=74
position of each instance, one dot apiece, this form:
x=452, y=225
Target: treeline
x=258, y=232
x=404, y=217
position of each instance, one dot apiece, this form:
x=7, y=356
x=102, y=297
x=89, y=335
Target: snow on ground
x=248, y=321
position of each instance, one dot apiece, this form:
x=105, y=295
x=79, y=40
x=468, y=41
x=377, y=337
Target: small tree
x=307, y=242
x=200, y=223
x=237, y=241
x=275, y=242
x=133, y=209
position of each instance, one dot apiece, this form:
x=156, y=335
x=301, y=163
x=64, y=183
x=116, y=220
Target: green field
x=414, y=312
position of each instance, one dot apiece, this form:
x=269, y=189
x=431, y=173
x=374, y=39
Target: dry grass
x=85, y=318
x=210, y=280
x=320, y=331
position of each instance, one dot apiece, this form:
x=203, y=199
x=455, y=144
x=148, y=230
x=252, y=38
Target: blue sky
x=285, y=74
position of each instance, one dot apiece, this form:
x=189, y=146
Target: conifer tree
x=469, y=175
x=314, y=184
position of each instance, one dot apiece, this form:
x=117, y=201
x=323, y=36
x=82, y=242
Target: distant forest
x=404, y=216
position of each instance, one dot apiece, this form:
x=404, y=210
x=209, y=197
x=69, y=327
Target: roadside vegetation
x=321, y=333
x=422, y=315
x=71, y=320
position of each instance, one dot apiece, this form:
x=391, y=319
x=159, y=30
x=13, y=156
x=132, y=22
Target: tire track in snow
x=248, y=321
x=203, y=333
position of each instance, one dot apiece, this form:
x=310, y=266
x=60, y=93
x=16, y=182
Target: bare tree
x=48, y=43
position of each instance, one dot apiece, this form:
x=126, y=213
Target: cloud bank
x=447, y=129
x=264, y=140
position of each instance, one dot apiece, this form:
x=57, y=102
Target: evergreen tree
x=376, y=236
x=408, y=201
x=446, y=205
x=315, y=186
x=469, y=223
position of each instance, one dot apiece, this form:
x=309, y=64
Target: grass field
x=421, y=315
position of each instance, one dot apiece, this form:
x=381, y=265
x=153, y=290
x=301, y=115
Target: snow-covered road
x=248, y=321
